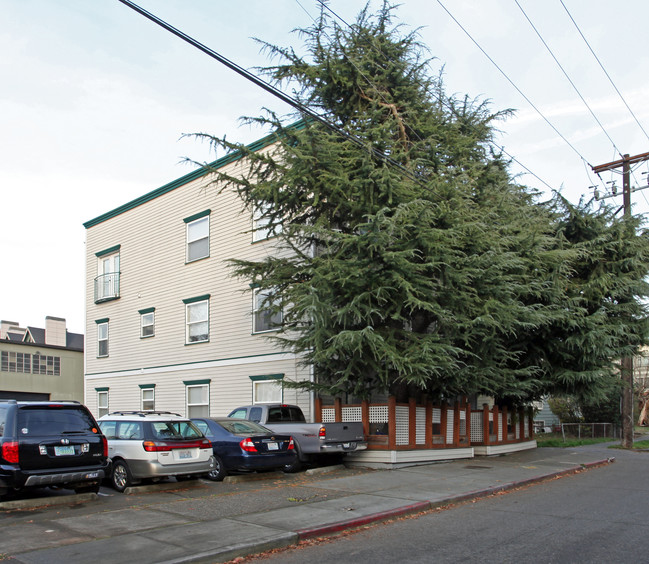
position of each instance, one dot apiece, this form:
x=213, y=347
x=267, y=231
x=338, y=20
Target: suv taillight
x=248, y=445
x=291, y=444
x=322, y=433
x=10, y=452
x=105, y=444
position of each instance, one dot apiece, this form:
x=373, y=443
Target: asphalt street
x=215, y=522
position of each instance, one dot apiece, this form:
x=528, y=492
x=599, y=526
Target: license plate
x=63, y=450
x=184, y=454
x=272, y=446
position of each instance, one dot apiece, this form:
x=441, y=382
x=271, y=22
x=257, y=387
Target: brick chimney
x=55, y=331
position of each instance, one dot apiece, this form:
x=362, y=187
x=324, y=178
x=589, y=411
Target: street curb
x=417, y=507
x=47, y=501
x=422, y=506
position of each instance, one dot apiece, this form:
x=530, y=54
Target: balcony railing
x=107, y=287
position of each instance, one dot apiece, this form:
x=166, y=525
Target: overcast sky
x=95, y=98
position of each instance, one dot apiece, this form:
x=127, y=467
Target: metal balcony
x=107, y=287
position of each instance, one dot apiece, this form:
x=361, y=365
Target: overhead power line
x=272, y=90
x=604, y=70
x=512, y=83
x=567, y=76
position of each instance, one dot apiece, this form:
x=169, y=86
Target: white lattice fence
x=501, y=423
x=378, y=413
x=477, y=430
x=328, y=415
x=527, y=426
x=352, y=414
x=420, y=426
x=450, y=417
x=402, y=424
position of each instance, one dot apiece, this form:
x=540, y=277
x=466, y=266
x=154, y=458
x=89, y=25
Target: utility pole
x=626, y=362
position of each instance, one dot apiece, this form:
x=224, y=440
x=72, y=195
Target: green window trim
x=146, y=386
x=254, y=285
x=197, y=216
x=108, y=251
x=101, y=389
x=196, y=299
x=267, y=377
x=196, y=382
x=146, y=310
x=104, y=320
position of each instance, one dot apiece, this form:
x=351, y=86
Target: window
x=266, y=311
x=147, y=397
x=198, y=236
x=267, y=389
x=260, y=223
x=30, y=363
x=102, y=338
x=147, y=322
x=102, y=401
x=197, y=320
x=108, y=275
x=198, y=398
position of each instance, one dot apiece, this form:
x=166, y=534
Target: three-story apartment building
x=167, y=325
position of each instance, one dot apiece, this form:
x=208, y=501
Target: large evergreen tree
x=441, y=275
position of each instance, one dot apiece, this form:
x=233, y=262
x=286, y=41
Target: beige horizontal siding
x=154, y=274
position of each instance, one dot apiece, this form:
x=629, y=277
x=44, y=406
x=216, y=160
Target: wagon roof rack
x=144, y=413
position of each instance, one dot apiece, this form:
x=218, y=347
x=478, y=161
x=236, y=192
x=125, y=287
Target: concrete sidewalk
x=217, y=522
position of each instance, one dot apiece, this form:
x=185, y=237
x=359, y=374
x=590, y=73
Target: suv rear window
x=53, y=421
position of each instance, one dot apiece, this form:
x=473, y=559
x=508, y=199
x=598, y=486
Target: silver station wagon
x=153, y=445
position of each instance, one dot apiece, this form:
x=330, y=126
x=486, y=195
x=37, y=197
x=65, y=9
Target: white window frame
x=102, y=406
x=189, y=307
x=102, y=338
x=195, y=238
x=147, y=320
x=201, y=408
x=148, y=391
x=256, y=384
x=256, y=309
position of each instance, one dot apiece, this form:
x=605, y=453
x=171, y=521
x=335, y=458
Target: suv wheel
x=120, y=477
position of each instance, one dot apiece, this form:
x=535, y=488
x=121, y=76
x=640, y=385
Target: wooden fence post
x=429, y=424
x=365, y=417
x=485, y=423
x=338, y=410
x=392, y=423
x=443, y=419
x=412, y=423
x=505, y=426
x=317, y=416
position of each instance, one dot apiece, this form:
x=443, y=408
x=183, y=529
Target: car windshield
x=175, y=430
x=54, y=421
x=243, y=427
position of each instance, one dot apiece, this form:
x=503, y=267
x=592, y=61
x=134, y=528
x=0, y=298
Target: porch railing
x=407, y=426
x=107, y=287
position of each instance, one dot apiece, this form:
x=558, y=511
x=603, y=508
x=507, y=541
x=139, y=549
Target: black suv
x=50, y=443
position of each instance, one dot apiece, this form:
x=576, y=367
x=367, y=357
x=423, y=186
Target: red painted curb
x=360, y=521
x=426, y=505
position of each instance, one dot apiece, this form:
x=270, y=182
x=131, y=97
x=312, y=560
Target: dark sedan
x=244, y=445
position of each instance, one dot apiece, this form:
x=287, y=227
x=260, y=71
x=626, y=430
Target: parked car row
x=61, y=444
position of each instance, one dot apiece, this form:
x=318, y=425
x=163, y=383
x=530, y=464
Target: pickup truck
x=312, y=440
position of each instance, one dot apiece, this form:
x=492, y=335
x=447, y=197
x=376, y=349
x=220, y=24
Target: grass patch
x=553, y=440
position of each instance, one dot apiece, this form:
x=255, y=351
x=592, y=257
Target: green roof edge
x=227, y=159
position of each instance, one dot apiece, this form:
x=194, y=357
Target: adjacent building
x=41, y=363
x=167, y=326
